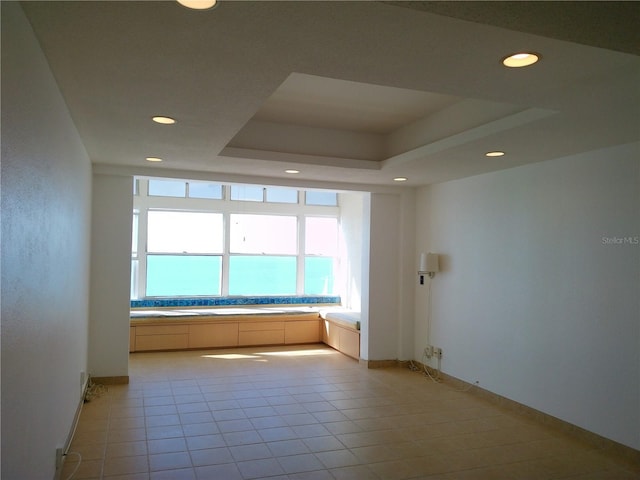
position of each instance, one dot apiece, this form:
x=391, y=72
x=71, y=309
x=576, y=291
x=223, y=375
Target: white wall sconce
x=429, y=265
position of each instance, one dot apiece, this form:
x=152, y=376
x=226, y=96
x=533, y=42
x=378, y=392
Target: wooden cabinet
x=303, y=331
x=343, y=339
x=132, y=339
x=161, y=337
x=213, y=335
x=261, y=333
x=151, y=334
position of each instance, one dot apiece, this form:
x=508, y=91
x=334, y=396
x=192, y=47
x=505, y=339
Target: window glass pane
x=313, y=197
x=263, y=234
x=247, y=193
x=262, y=275
x=134, y=235
x=134, y=279
x=184, y=232
x=205, y=190
x=167, y=188
x=321, y=236
x=318, y=276
x=171, y=275
x=136, y=187
x=282, y=195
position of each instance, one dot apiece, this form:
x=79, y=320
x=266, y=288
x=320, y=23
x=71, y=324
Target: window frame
x=143, y=203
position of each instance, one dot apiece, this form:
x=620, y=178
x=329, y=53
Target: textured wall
x=536, y=299
x=46, y=198
x=110, y=275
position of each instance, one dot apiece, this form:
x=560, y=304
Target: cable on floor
x=94, y=390
x=75, y=470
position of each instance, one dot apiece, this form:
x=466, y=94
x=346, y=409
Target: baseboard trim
x=621, y=451
x=72, y=431
x=121, y=380
x=378, y=363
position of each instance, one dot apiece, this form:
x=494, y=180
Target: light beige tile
x=227, y=471
x=169, y=461
x=86, y=470
x=186, y=417
x=180, y=474
x=126, y=449
x=250, y=452
x=126, y=465
x=263, y=468
x=300, y=463
x=211, y=456
x=287, y=447
x=167, y=445
x=337, y=458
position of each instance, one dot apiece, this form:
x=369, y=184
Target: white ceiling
x=345, y=92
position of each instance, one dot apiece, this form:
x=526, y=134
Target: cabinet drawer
x=265, y=337
x=161, y=329
x=210, y=335
x=260, y=326
x=132, y=339
x=162, y=342
x=307, y=331
x=330, y=335
x=350, y=343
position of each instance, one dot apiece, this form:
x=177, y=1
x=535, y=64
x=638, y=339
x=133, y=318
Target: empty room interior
x=320, y=240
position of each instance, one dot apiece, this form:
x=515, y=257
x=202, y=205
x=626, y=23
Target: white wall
x=383, y=244
x=110, y=275
x=531, y=302
x=383, y=293
x=407, y=274
x=46, y=198
x=351, y=218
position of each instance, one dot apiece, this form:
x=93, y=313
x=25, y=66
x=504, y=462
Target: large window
x=321, y=253
x=206, y=239
x=184, y=253
x=263, y=254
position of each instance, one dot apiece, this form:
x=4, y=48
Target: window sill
x=261, y=301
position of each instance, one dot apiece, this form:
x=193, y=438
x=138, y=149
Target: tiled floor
x=311, y=413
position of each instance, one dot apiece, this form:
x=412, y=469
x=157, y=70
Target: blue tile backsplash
x=231, y=301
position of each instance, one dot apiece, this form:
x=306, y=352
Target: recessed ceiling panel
x=322, y=102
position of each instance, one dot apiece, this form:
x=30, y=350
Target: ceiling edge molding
x=156, y=172
x=299, y=158
x=482, y=131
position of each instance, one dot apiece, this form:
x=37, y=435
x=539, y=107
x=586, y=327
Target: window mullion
x=301, y=255
x=142, y=253
x=226, y=228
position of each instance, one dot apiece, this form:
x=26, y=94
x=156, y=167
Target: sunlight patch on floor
x=299, y=353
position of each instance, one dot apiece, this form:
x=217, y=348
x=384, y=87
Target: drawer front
x=132, y=339
x=265, y=337
x=260, y=326
x=307, y=331
x=161, y=329
x=211, y=335
x=349, y=343
x=330, y=334
x=162, y=342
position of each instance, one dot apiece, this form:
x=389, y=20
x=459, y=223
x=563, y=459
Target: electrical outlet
x=59, y=455
x=437, y=352
x=428, y=351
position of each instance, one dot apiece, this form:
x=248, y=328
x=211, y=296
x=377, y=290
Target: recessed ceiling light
x=164, y=120
x=523, y=59
x=198, y=4
x=292, y=171
x=400, y=179
x=496, y=153
x=153, y=159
